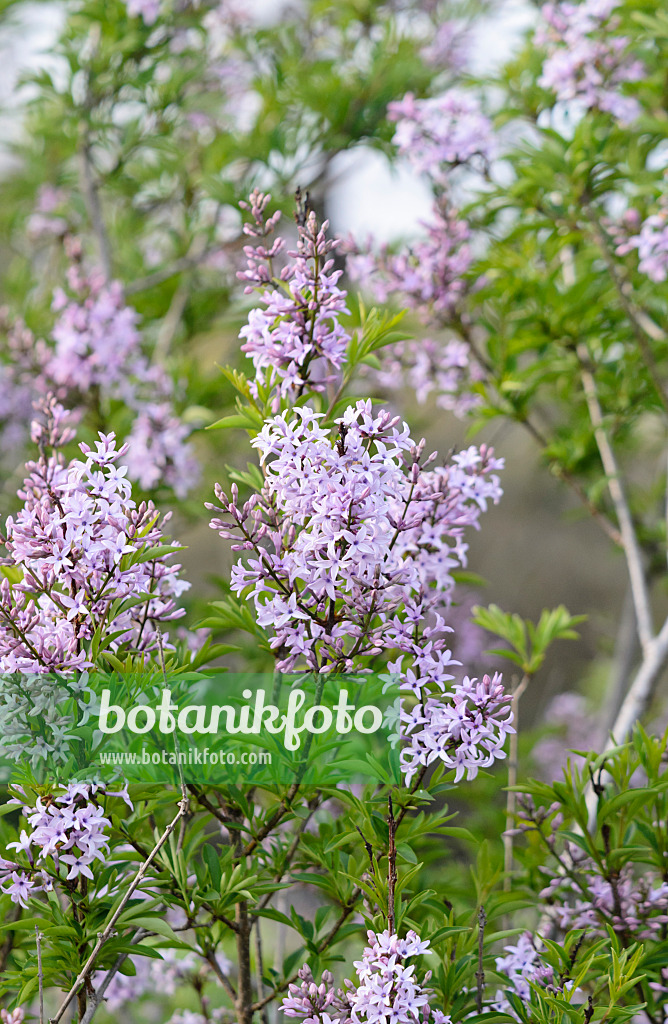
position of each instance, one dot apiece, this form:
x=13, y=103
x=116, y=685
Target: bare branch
x=95, y=998
x=511, y=801
x=480, y=973
x=642, y=687
x=210, y=958
x=40, y=973
x=632, y=550
x=134, y=884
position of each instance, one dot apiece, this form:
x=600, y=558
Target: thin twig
x=391, y=867
x=630, y=541
x=210, y=958
x=511, y=800
x=134, y=884
x=480, y=973
x=95, y=998
x=324, y=943
x=40, y=973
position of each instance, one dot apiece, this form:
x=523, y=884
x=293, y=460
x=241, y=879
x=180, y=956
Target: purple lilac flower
x=98, y=352
x=633, y=906
x=651, y=241
x=449, y=47
x=586, y=61
x=96, y=358
x=296, y=338
x=71, y=540
x=443, y=131
x=428, y=275
x=522, y=964
x=445, y=369
x=387, y=990
x=577, y=730
x=158, y=452
x=350, y=548
x=69, y=832
x=466, y=730
x=356, y=519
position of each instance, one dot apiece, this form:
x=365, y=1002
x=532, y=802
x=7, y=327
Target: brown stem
x=511, y=800
x=480, y=973
x=244, y=1002
x=392, y=868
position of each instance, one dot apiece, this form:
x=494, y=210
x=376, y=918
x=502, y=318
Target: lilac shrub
x=93, y=363
x=297, y=339
x=80, y=547
x=442, y=131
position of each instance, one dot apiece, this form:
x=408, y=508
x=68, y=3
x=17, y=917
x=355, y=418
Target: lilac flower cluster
x=466, y=730
x=522, y=965
x=296, y=338
x=348, y=531
x=445, y=369
x=69, y=832
x=81, y=544
x=20, y=378
x=586, y=899
x=95, y=334
x=98, y=352
x=317, y=1004
x=96, y=359
x=45, y=219
x=441, y=132
x=651, y=241
x=351, y=546
x=387, y=990
x=429, y=275
x=586, y=60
